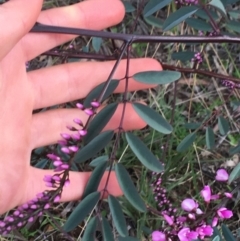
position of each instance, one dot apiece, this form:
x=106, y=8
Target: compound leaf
x=96, y=43
x=144, y=155
x=192, y=125
x=127, y=238
x=219, y=5
x=186, y=142
x=99, y=160
x=157, y=77
x=107, y=231
x=89, y=233
x=198, y=24
x=153, y=6
x=210, y=139
x=179, y=16
x=152, y=118
x=234, y=150
x=234, y=174
x=227, y=233
x=233, y=26
x=95, y=93
x=100, y=121
x=93, y=147
x=95, y=179
x=128, y=188
x=183, y=56
x=81, y=211
x=156, y=22
x=223, y=125
x=128, y=7
x=42, y=163
x=117, y=215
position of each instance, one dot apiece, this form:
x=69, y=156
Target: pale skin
x=22, y=92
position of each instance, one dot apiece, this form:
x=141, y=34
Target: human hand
x=22, y=92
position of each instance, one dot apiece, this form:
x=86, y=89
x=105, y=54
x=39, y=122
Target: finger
x=73, y=81
x=47, y=126
x=92, y=14
x=20, y=16
x=74, y=191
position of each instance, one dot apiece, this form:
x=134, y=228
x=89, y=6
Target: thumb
x=16, y=19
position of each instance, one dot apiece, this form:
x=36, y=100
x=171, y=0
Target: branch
x=41, y=28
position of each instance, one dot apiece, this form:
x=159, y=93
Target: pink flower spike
x=2, y=224
x=73, y=148
x=64, y=166
x=78, y=121
x=168, y=219
x=56, y=178
x=214, y=222
x=189, y=205
x=47, y=178
x=65, y=136
x=76, y=136
x=62, y=142
x=158, y=236
x=57, y=199
x=228, y=194
x=79, y=106
x=88, y=111
x=224, y=213
x=57, y=163
x=53, y=157
x=47, y=206
x=222, y=175
x=65, y=150
x=95, y=104
x=67, y=183
x=82, y=132
x=206, y=194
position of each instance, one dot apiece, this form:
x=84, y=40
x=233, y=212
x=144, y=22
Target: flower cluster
x=197, y=58
x=191, y=222
x=230, y=84
x=181, y=3
x=35, y=208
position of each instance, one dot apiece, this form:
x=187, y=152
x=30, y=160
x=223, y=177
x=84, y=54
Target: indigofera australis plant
x=208, y=22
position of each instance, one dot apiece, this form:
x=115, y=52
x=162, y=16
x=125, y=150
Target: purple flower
x=82, y=132
x=214, y=222
x=224, y=213
x=186, y=235
x=228, y=194
x=78, y=121
x=88, y=111
x=79, y=106
x=73, y=148
x=158, y=236
x=222, y=175
x=65, y=136
x=168, y=219
x=206, y=193
x=65, y=149
x=205, y=230
x=57, y=199
x=189, y=205
x=95, y=104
